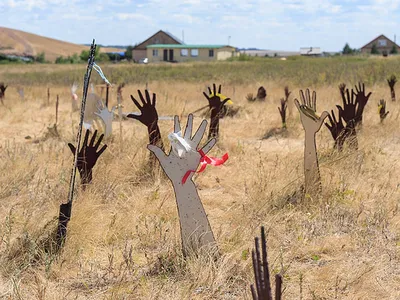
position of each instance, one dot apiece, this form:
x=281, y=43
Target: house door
x=171, y=54
x=165, y=55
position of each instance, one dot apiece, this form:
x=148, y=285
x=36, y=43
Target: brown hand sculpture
x=282, y=112
x=287, y=93
x=216, y=107
x=312, y=124
x=391, y=82
x=2, y=92
x=337, y=130
x=382, y=110
x=196, y=232
x=262, y=291
x=361, y=101
x=87, y=156
x=349, y=113
x=148, y=117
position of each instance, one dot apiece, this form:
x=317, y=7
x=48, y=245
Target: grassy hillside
x=22, y=43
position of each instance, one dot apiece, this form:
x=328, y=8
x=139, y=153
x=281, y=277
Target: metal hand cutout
x=87, y=156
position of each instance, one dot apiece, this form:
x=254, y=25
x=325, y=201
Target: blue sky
x=276, y=25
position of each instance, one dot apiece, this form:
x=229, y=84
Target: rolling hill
x=21, y=43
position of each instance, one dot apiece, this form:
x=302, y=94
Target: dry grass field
x=124, y=240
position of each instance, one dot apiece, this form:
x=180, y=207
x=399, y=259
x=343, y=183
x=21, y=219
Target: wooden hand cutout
x=391, y=82
x=262, y=291
x=382, y=110
x=148, y=117
x=337, y=130
x=2, y=92
x=87, y=156
x=282, y=112
x=312, y=124
x=349, y=114
x=361, y=101
x=216, y=104
x=261, y=94
x=196, y=232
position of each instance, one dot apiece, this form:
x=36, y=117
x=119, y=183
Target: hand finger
x=210, y=144
x=369, y=94
x=214, y=89
x=199, y=133
x=99, y=141
x=177, y=125
x=296, y=102
x=314, y=99
x=219, y=89
x=72, y=148
x=141, y=97
x=302, y=99
x=136, y=103
x=324, y=115
x=101, y=150
x=147, y=97
x=189, y=128
x=154, y=100
x=205, y=95
x=226, y=100
x=161, y=156
x=136, y=117
x=86, y=138
x=308, y=98
x=93, y=139
x=209, y=91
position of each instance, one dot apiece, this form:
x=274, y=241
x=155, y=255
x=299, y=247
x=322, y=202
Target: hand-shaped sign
x=87, y=156
x=2, y=91
x=361, y=101
x=262, y=289
x=382, y=109
x=337, y=130
x=216, y=102
x=180, y=167
x=282, y=112
x=391, y=82
x=312, y=124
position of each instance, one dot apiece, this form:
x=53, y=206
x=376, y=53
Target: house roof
x=167, y=33
x=177, y=46
x=379, y=37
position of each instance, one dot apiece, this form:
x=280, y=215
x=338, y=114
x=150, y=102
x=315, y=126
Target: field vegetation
x=124, y=236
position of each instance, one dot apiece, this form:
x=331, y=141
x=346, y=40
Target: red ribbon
x=204, y=161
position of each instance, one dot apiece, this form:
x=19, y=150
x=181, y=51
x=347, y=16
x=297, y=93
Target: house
x=383, y=44
x=183, y=52
x=160, y=37
x=310, y=51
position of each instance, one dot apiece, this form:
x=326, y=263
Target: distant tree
x=394, y=50
x=85, y=54
x=128, y=53
x=40, y=58
x=374, y=49
x=347, y=50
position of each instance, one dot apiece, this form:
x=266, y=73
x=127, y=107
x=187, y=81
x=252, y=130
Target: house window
x=155, y=52
x=211, y=53
x=194, y=52
x=184, y=52
x=382, y=43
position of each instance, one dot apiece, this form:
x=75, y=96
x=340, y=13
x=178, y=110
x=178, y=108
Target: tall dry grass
x=124, y=241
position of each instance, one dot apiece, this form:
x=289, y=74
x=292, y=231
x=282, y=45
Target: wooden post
x=48, y=96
